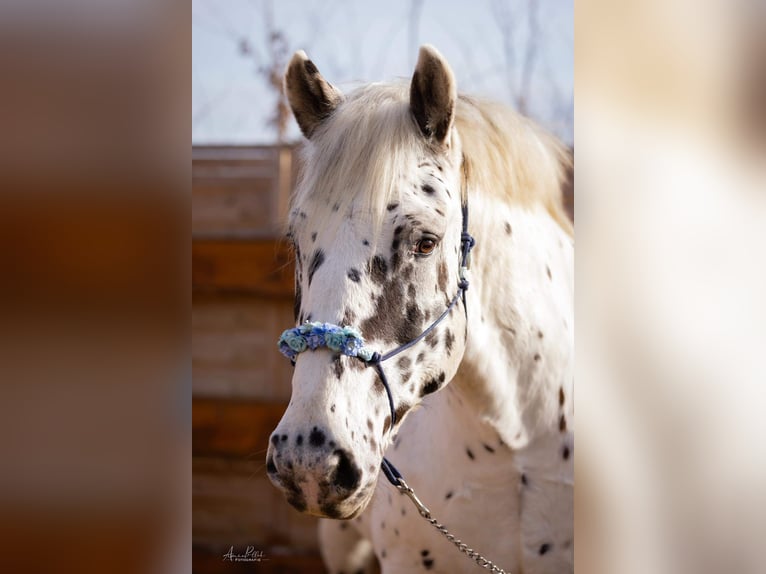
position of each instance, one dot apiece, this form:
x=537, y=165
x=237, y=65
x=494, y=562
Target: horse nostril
x=347, y=474
x=271, y=468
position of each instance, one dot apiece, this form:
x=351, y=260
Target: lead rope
x=395, y=478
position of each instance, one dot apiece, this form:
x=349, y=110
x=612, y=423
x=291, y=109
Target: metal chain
x=404, y=488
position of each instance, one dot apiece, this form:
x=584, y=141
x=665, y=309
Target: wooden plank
x=259, y=267
x=240, y=191
x=239, y=206
x=222, y=427
x=234, y=503
x=234, y=351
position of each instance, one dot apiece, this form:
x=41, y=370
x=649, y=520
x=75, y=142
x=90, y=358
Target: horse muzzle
x=319, y=479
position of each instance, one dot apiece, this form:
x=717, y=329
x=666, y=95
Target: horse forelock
x=359, y=154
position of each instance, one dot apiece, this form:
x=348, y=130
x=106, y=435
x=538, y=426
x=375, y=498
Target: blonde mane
x=360, y=152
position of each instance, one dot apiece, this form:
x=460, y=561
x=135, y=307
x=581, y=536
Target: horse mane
x=371, y=140
x=510, y=157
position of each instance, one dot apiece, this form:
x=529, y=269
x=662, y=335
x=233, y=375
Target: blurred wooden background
x=242, y=277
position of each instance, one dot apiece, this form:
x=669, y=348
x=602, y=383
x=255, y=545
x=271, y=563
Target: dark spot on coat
x=401, y=410
x=428, y=189
x=414, y=318
x=314, y=236
x=537, y=357
x=562, y=423
x=316, y=437
x=396, y=260
x=488, y=448
x=398, y=230
x=544, y=548
x=337, y=366
x=524, y=480
x=297, y=502
x=412, y=291
x=439, y=211
x=299, y=440
x=424, y=553
x=565, y=452
x=378, y=269
x=470, y=454
x=332, y=408
x=561, y=396
x=388, y=322
x=353, y=274
x=548, y=271
x=449, y=339
x=432, y=338
x=404, y=362
x=284, y=438
x=430, y=387
x=508, y=229
x=365, y=242
x=428, y=563
x=392, y=206
x=442, y=278
x=420, y=357
x=275, y=439
x=448, y=495
x=316, y=262
x=387, y=424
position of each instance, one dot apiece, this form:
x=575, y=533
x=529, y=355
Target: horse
x=475, y=410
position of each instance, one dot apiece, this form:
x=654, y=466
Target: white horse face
x=390, y=284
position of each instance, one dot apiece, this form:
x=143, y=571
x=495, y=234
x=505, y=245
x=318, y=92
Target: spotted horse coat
x=484, y=404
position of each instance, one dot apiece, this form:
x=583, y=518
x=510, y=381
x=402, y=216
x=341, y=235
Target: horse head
x=376, y=225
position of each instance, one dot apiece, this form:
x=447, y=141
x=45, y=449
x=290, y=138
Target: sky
x=357, y=41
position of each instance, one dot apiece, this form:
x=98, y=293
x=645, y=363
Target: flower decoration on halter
x=313, y=335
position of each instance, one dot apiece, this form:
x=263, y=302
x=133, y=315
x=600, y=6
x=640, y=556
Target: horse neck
x=516, y=374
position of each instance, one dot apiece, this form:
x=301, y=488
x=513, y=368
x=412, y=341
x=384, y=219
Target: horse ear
x=433, y=93
x=311, y=97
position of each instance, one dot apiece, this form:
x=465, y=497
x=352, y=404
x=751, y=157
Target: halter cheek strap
x=348, y=341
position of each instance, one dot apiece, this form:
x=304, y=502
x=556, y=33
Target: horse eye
x=425, y=246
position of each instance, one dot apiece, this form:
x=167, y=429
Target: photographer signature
x=250, y=555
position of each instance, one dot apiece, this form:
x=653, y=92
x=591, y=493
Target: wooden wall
x=242, y=278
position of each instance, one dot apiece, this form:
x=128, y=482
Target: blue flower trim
x=311, y=336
